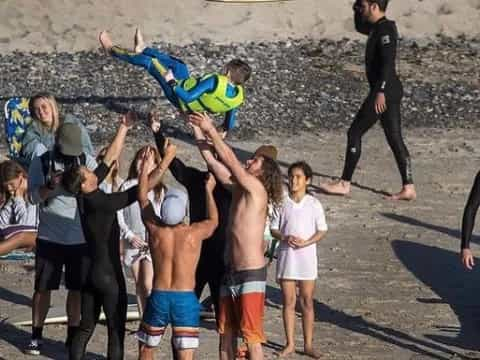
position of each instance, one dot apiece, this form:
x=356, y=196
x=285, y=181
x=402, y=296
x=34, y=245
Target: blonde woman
x=40, y=135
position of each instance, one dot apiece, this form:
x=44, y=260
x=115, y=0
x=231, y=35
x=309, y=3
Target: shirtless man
x=254, y=186
x=175, y=249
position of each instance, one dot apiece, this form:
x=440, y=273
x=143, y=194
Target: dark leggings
x=114, y=303
x=211, y=275
x=391, y=123
x=157, y=64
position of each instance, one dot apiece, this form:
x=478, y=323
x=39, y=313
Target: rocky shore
x=298, y=85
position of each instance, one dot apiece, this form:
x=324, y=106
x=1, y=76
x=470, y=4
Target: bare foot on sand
x=105, y=41
x=310, y=352
x=339, y=187
x=408, y=193
x=138, y=43
x=287, y=350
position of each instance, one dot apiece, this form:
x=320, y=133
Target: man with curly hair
x=254, y=186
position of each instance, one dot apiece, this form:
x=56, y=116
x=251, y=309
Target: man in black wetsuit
x=383, y=100
x=105, y=285
x=469, y=215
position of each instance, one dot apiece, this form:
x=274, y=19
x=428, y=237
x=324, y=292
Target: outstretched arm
x=204, y=229
x=115, y=147
x=469, y=215
x=247, y=181
x=215, y=166
x=185, y=175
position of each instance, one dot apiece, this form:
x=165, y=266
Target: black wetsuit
x=382, y=77
x=211, y=267
x=470, y=213
x=105, y=282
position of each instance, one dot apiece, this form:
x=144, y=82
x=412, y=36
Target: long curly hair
x=271, y=179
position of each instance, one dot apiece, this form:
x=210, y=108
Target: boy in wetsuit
x=105, y=284
x=175, y=249
x=383, y=101
x=213, y=93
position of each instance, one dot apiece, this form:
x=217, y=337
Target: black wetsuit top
x=98, y=212
x=470, y=213
x=380, y=55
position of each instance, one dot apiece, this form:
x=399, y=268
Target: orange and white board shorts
x=242, y=303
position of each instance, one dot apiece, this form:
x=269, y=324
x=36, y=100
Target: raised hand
x=154, y=121
x=129, y=119
x=170, y=150
x=202, y=120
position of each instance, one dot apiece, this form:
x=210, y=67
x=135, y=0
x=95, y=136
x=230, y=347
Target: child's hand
x=154, y=121
x=169, y=76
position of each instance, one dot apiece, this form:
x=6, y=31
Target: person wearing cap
x=211, y=266
x=60, y=239
x=175, y=249
x=105, y=285
x=254, y=185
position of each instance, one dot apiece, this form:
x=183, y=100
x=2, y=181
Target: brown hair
x=271, y=179
x=10, y=170
x=72, y=179
x=133, y=172
x=239, y=71
x=53, y=104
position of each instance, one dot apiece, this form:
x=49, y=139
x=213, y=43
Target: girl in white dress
x=299, y=226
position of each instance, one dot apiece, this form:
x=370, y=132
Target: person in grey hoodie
x=40, y=135
x=60, y=240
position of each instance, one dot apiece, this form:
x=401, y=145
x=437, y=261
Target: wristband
x=172, y=83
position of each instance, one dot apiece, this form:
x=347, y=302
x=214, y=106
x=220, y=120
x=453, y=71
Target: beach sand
x=52, y=25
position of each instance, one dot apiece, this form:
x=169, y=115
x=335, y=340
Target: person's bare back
x=175, y=249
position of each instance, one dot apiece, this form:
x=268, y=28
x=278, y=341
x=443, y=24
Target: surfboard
x=56, y=315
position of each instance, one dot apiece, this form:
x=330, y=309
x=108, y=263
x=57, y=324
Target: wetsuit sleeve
x=101, y=172
x=183, y=174
x=362, y=26
x=387, y=43
x=119, y=200
x=203, y=86
x=230, y=117
x=470, y=213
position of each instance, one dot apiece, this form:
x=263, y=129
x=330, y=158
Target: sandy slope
x=69, y=25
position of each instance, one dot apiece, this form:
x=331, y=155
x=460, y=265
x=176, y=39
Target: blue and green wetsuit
x=212, y=93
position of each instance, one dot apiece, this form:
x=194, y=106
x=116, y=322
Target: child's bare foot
x=340, y=187
x=105, y=41
x=310, y=352
x=138, y=43
x=408, y=193
x=287, y=350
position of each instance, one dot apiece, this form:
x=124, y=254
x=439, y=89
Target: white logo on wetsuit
x=386, y=40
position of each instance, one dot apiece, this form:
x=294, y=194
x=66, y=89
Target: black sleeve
x=119, y=200
x=362, y=26
x=101, y=172
x=470, y=213
x=387, y=47
x=185, y=175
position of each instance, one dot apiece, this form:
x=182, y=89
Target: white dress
x=301, y=219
